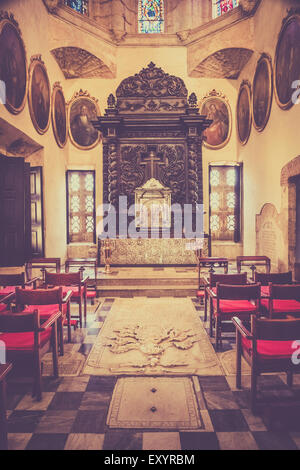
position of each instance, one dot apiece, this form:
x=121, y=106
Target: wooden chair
x=283, y=299
x=5, y=305
x=82, y=264
x=42, y=263
x=276, y=278
x=27, y=340
x=210, y=287
x=211, y=264
x=4, y=371
x=268, y=347
x=241, y=301
x=74, y=282
x=253, y=262
x=9, y=282
x=48, y=302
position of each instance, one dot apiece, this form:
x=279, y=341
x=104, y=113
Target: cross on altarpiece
x=151, y=160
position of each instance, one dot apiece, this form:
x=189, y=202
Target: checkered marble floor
x=72, y=414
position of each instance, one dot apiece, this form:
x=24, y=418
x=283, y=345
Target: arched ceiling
x=79, y=63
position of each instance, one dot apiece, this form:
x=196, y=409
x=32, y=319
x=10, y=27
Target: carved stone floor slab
x=144, y=402
x=162, y=336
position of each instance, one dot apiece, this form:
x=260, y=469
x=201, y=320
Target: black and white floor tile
x=72, y=414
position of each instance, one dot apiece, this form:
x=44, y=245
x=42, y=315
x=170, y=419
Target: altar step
x=147, y=287
x=171, y=290
x=148, y=282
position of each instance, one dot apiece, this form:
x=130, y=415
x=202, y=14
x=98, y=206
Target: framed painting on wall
x=59, y=115
x=243, y=112
x=262, y=92
x=216, y=107
x=82, y=110
x=13, y=65
x=287, y=61
x=39, y=96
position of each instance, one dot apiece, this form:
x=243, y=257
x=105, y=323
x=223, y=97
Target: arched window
x=81, y=6
x=223, y=6
x=151, y=16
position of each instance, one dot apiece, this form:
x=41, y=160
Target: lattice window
x=151, y=16
x=81, y=206
x=81, y=6
x=220, y=7
x=225, y=190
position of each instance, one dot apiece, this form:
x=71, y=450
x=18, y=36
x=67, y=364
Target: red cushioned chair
x=83, y=264
x=6, y=302
x=211, y=264
x=9, y=282
x=42, y=264
x=234, y=301
x=275, y=278
x=48, y=302
x=74, y=282
x=283, y=299
x=26, y=340
x=210, y=288
x=269, y=347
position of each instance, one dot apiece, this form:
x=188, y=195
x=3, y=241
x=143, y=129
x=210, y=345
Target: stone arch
x=288, y=190
x=80, y=63
x=224, y=63
x=292, y=168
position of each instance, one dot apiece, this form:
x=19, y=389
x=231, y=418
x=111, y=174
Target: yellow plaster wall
x=267, y=152
x=263, y=156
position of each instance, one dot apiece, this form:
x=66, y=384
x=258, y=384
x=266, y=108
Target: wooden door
x=14, y=212
x=36, y=202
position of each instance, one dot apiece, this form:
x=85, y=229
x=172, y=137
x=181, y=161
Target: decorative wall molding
x=248, y=6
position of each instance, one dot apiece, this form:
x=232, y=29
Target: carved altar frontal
x=149, y=251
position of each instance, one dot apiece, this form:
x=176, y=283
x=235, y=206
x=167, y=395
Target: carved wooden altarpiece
x=152, y=129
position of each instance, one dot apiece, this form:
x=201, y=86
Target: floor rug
x=69, y=365
x=228, y=362
x=143, y=336
x=146, y=403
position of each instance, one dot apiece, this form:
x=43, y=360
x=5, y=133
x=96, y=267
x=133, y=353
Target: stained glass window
x=81, y=6
x=223, y=6
x=225, y=190
x=81, y=206
x=151, y=16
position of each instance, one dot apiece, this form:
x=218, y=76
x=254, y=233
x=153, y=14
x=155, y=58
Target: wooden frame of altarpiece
x=152, y=130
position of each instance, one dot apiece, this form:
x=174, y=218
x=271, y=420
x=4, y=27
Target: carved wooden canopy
x=152, y=90
x=152, y=82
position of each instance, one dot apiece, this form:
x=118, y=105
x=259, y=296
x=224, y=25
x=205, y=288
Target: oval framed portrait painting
x=243, y=112
x=39, y=95
x=13, y=65
x=287, y=61
x=59, y=116
x=216, y=107
x=262, y=92
x=82, y=110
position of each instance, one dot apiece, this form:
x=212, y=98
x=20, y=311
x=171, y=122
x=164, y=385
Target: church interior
x=150, y=225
